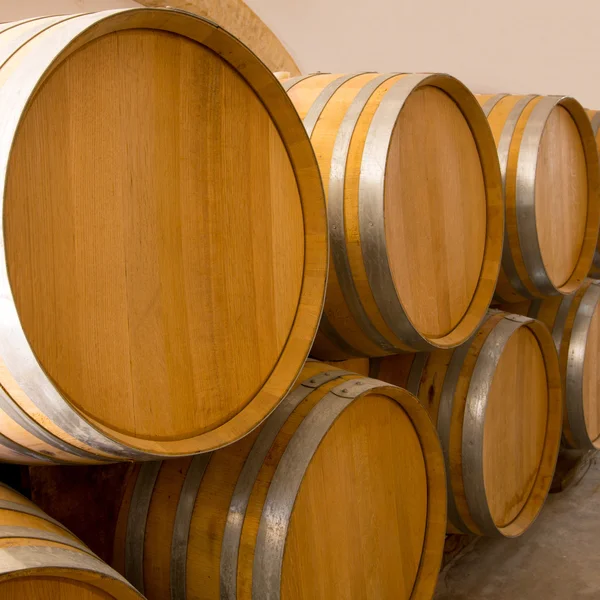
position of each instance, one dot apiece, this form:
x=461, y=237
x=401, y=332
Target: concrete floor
x=557, y=558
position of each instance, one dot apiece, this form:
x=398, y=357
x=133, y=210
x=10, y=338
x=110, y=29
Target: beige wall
x=514, y=45
x=23, y=9
x=539, y=46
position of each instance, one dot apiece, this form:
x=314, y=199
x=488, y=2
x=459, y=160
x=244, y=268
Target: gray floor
x=558, y=558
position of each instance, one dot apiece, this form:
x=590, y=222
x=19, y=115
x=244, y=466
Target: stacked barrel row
x=169, y=214
x=500, y=393
x=312, y=504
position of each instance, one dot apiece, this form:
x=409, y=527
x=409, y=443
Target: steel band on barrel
x=310, y=121
x=136, y=523
x=335, y=212
x=274, y=522
x=504, y=144
x=181, y=525
x=254, y=462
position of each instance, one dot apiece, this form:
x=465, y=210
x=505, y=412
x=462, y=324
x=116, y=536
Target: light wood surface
x=591, y=390
x=141, y=258
x=515, y=426
x=565, y=190
x=521, y=426
x=561, y=196
x=435, y=217
x=440, y=179
x=203, y=203
x=373, y=442
x=238, y=18
x=334, y=546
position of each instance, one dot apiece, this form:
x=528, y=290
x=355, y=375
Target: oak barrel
x=40, y=559
x=575, y=325
x=497, y=404
x=551, y=176
x=594, y=116
x=164, y=261
x=415, y=210
x=314, y=504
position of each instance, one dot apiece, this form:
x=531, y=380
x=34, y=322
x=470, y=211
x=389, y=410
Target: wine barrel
x=551, y=176
x=594, y=116
x=575, y=325
x=497, y=404
x=164, y=237
x=40, y=559
x=297, y=509
x=415, y=210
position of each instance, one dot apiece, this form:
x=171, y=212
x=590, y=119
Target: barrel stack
x=498, y=400
x=181, y=229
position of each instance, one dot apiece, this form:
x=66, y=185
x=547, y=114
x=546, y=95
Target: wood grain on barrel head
x=140, y=271
x=561, y=196
x=515, y=426
x=435, y=211
x=591, y=379
x=46, y=588
x=360, y=475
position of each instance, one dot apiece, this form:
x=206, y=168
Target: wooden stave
x=347, y=384
x=568, y=318
x=87, y=442
x=23, y=435
x=330, y=343
x=530, y=280
x=55, y=552
x=418, y=374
